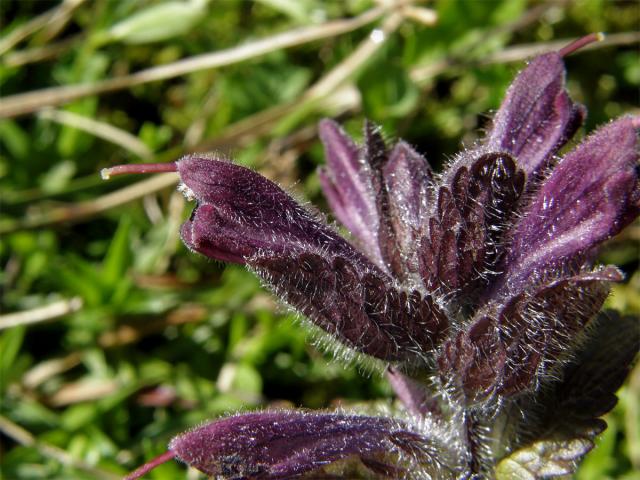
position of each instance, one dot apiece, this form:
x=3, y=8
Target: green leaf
x=154, y=136
x=81, y=278
x=390, y=95
x=10, y=343
x=14, y=139
x=247, y=379
x=117, y=259
x=507, y=11
x=298, y=10
x=544, y=459
x=78, y=416
x=86, y=69
x=158, y=23
x=58, y=176
x=237, y=330
x=30, y=413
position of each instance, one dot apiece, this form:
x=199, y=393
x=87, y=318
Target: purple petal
x=537, y=116
x=286, y=444
x=243, y=217
x=355, y=303
x=372, y=191
x=408, y=181
x=376, y=156
x=415, y=396
x=215, y=236
x=346, y=183
x=240, y=213
x=590, y=196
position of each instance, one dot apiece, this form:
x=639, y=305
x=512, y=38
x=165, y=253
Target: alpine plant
x=475, y=289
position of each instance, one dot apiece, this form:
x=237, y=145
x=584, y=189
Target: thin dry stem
x=23, y=437
x=54, y=16
x=99, y=129
x=43, y=371
x=361, y=55
x=518, y=53
x=425, y=16
x=84, y=390
x=129, y=333
x=29, y=102
x=329, y=86
x=90, y=208
x=37, y=54
x=41, y=314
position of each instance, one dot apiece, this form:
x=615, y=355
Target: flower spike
x=475, y=290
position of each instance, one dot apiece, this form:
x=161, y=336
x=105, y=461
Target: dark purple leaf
x=474, y=359
x=510, y=347
x=375, y=152
x=468, y=227
x=355, y=304
x=589, y=381
x=564, y=415
x=376, y=155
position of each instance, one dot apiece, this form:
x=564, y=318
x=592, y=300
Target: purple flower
x=476, y=289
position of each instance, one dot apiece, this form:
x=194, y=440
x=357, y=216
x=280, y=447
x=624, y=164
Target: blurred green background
x=113, y=336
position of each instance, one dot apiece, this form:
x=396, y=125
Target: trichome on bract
x=476, y=289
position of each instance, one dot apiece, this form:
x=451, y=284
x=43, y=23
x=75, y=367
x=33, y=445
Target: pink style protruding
x=150, y=465
x=580, y=43
x=107, y=173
